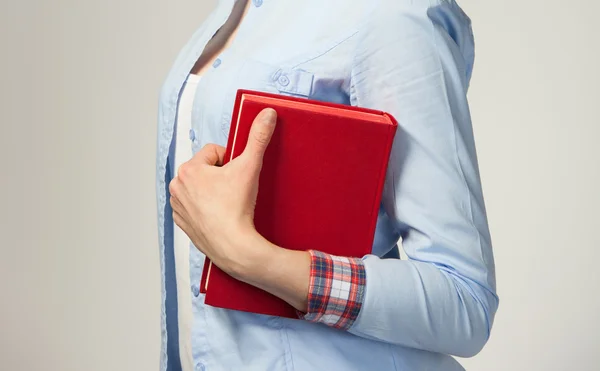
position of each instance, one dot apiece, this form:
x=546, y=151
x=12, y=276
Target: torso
x=301, y=51
x=222, y=38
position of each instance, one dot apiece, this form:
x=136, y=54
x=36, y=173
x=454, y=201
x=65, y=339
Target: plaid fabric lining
x=336, y=291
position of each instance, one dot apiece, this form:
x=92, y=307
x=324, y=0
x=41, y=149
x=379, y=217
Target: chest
x=277, y=47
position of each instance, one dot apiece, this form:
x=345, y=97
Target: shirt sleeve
x=336, y=290
x=414, y=60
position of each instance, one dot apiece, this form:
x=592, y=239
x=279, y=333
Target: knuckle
x=209, y=148
x=183, y=170
x=172, y=186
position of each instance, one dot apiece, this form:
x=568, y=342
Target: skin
x=223, y=38
x=214, y=205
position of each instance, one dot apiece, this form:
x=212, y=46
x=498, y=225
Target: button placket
x=195, y=290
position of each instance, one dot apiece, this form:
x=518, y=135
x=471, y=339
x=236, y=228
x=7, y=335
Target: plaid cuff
x=336, y=291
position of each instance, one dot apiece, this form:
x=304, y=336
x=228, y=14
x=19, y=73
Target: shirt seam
x=460, y=168
x=454, y=136
x=335, y=45
x=289, y=359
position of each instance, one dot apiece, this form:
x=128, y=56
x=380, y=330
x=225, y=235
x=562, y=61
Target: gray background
x=79, y=272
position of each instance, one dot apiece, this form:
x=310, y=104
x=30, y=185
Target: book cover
x=319, y=188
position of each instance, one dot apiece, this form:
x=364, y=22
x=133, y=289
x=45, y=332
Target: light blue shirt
x=412, y=59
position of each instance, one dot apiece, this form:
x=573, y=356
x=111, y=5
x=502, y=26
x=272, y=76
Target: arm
x=414, y=62
x=443, y=298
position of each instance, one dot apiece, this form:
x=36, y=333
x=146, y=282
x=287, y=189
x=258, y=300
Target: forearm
x=432, y=309
x=281, y=272
x=424, y=306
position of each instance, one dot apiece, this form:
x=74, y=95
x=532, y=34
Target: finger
x=260, y=133
x=181, y=222
x=211, y=154
x=176, y=204
x=175, y=187
x=178, y=210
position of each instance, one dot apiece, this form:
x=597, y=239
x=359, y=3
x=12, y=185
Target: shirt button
x=284, y=80
x=257, y=3
x=200, y=367
x=192, y=135
x=195, y=290
x=217, y=62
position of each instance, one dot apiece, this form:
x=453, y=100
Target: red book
x=320, y=186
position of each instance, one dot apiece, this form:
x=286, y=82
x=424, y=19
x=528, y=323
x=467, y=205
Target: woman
x=410, y=58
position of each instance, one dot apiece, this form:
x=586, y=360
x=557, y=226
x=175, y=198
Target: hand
x=214, y=204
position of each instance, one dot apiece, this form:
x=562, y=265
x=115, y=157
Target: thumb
x=261, y=133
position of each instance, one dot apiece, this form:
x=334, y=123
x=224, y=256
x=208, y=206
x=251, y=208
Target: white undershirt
x=181, y=242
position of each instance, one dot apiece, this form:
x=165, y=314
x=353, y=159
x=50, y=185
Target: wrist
x=254, y=255
x=279, y=271
x=283, y=273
